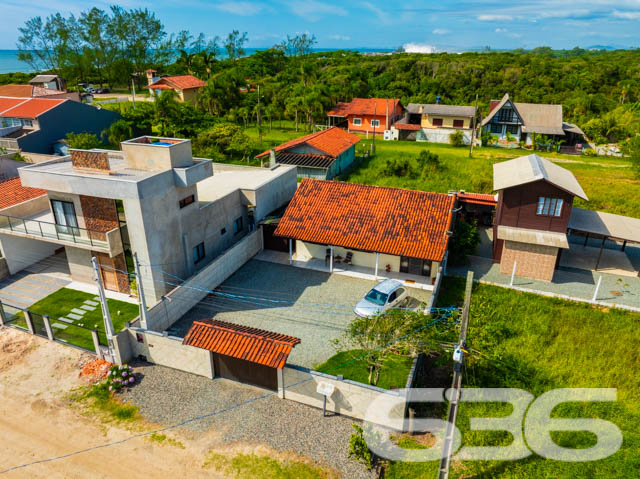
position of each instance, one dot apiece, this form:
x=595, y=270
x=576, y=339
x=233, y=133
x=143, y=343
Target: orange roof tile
x=365, y=106
x=28, y=107
x=478, y=198
x=26, y=91
x=6, y=103
x=180, y=82
x=333, y=141
x=13, y=193
x=241, y=342
x=393, y=221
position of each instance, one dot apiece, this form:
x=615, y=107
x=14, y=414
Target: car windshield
x=376, y=297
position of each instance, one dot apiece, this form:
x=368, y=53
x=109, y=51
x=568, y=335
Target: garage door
x=245, y=371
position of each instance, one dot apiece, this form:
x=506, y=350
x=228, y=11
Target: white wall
x=21, y=253
x=305, y=251
x=441, y=135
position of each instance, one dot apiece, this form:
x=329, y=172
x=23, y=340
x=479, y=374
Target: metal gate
x=245, y=371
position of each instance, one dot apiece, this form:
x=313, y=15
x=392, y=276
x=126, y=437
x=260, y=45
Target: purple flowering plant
x=120, y=377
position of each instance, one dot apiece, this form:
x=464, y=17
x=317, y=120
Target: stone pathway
x=76, y=315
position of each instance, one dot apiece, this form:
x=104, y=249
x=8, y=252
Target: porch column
x=375, y=276
x=600, y=254
x=290, y=252
x=331, y=260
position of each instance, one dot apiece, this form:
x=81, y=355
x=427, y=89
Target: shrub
x=358, y=448
x=83, y=141
x=465, y=241
x=428, y=162
x=400, y=166
x=456, y=138
x=589, y=152
x=120, y=377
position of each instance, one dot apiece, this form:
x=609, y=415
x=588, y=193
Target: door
x=415, y=266
x=272, y=242
x=108, y=273
x=245, y=371
x=65, y=216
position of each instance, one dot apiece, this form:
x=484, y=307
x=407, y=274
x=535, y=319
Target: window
x=549, y=206
x=437, y=122
x=357, y=121
x=28, y=123
x=505, y=114
x=198, y=253
x=415, y=266
x=65, y=216
x=495, y=128
x=237, y=226
x=375, y=123
x=187, y=201
x=223, y=231
x=393, y=296
x=513, y=129
x=458, y=123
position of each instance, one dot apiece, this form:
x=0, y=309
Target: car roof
x=387, y=286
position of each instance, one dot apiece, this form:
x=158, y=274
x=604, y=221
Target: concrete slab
x=92, y=303
x=59, y=326
x=78, y=311
x=585, y=257
x=65, y=320
x=74, y=316
x=87, y=307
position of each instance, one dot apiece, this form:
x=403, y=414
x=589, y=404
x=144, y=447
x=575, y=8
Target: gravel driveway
x=311, y=305
x=167, y=396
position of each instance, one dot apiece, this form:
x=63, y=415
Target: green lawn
x=538, y=344
x=393, y=374
x=60, y=303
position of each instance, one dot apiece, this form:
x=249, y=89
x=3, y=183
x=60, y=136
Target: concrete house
x=34, y=125
x=389, y=231
x=186, y=86
x=152, y=198
x=435, y=123
x=366, y=115
x=521, y=121
x=324, y=154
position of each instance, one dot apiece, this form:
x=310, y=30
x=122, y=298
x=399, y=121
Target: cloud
x=440, y=31
x=626, y=15
x=245, y=9
x=313, y=10
x=495, y=18
x=383, y=17
x=343, y=38
x=501, y=30
x=419, y=48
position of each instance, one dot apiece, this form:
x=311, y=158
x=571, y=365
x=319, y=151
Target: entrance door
x=245, y=371
x=273, y=242
x=108, y=273
x=415, y=266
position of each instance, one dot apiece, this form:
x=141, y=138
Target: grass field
x=537, y=344
x=608, y=182
x=393, y=374
x=60, y=303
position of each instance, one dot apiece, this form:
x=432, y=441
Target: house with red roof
x=367, y=115
x=35, y=125
x=186, y=86
x=324, y=154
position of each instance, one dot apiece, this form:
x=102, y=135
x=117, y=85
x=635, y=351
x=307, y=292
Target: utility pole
x=473, y=131
x=373, y=144
x=456, y=386
x=259, y=117
x=108, y=325
x=141, y=301
x=133, y=89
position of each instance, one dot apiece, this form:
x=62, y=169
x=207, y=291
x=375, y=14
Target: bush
x=358, y=448
x=465, y=241
x=83, y=141
x=589, y=152
x=120, y=377
x=456, y=138
x=400, y=165
x=428, y=162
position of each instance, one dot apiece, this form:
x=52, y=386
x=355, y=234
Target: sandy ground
x=36, y=424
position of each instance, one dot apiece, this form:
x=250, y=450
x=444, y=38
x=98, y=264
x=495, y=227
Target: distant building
x=517, y=122
x=34, y=125
x=366, y=115
x=51, y=82
x=186, y=86
x=435, y=123
x=324, y=154
x=32, y=91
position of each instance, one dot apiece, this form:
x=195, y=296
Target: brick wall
x=100, y=215
x=94, y=160
x=533, y=261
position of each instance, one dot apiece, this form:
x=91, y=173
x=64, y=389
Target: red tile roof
x=27, y=107
x=241, y=342
x=478, y=198
x=179, y=82
x=393, y=221
x=13, y=193
x=26, y=91
x=365, y=106
x=407, y=126
x=332, y=141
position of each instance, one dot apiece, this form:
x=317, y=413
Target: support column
x=375, y=276
x=27, y=318
x=600, y=254
x=290, y=251
x=96, y=343
x=141, y=300
x=3, y=318
x=47, y=327
x=281, y=383
x=331, y=260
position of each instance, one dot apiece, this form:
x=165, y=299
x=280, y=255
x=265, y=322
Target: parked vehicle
x=384, y=296
x=103, y=90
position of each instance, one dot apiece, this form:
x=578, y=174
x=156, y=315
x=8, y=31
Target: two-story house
x=435, y=123
x=366, y=115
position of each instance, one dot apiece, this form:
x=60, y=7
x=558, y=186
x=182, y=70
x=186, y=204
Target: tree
x=464, y=242
x=83, y=141
x=166, y=108
x=298, y=45
x=100, y=47
x=119, y=131
x=234, y=44
x=270, y=112
x=632, y=148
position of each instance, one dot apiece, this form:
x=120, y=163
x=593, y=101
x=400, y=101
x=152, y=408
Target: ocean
x=9, y=62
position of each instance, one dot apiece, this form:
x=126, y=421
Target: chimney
x=272, y=158
x=150, y=74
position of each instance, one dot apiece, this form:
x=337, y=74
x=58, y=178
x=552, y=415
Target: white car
x=383, y=297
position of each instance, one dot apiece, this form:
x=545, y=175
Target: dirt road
x=35, y=424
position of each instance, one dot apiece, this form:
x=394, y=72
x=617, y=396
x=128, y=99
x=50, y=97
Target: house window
x=437, y=122
x=237, y=226
x=496, y=128
x=505, y=115
x=187, y=201
x=357, y=121
x=458, y=123
x=549, y=206
x=415, y=266
x=65, y=216
x=375, y=123
x=223, y=231
x=512, y=129
x=28, y=123
x=198, y=253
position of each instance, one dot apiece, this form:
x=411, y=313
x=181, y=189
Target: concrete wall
x=21, y=253
x=441, y=135
x=164, y=351
x=349, y=398
x=28, y=208
x=80, y=264
x=4, y=269
x=275, y=193
x=182, y=299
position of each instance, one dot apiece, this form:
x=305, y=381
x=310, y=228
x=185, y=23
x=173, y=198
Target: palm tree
x=186, y=59
x=208, y=59
x=165, y=106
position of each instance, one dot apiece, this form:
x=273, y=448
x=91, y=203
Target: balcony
x=42, y=227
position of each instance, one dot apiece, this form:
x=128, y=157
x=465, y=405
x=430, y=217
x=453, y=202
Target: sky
x=425, y=25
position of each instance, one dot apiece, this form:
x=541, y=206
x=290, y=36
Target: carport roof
x=241, y=342
x=605, y=224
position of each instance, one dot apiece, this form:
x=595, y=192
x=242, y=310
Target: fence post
x=513, y=273
x=29, y=320
x=96, y=343
x=47, y=326
x=3, y=318
x=595, y=293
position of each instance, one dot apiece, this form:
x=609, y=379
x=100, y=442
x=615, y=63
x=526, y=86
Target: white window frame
x=357, y=122
x=549, y=206
x=375, y=123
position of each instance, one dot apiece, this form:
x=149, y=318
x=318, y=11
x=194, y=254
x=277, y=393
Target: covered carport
x=241, y=353
x=613, y=232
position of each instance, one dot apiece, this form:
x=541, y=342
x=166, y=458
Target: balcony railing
x=53, y=231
